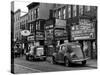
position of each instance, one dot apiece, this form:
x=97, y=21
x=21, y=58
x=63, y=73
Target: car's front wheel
x=66, y=62
x=84, y=62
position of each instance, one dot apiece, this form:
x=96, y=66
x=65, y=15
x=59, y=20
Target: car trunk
x=77, y=50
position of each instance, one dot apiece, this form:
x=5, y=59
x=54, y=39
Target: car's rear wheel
x=66, y=62
x=84, y=62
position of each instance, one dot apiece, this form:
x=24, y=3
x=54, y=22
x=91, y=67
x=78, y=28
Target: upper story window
x=54, y=14
x=37, y=13
x=80, y=10
x=74, y=11
x=32, y=14
x=87, y=8
x=59, y=13
x=69, y=11
x=64, y=13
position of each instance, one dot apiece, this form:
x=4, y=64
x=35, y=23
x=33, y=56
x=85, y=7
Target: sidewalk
x=22, y=69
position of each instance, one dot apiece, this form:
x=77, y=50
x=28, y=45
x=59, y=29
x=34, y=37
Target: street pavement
x=21, y=65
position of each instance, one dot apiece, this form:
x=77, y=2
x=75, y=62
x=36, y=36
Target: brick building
x=17, y=35
x=81, y=25
x=37, y=14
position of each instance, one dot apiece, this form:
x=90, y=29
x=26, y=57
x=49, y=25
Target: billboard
x=49, y=34
x=60, y=23
x=81, y=32
x=39, y=36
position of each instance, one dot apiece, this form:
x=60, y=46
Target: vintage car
x=69, y=53
x=36, y=53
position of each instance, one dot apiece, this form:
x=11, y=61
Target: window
x=32, y=15
x=74, y=11
x=64, y=13
x=54, y=14
x=80, y=10
x=37, y=13
x=87, y=8
x=37, y=26
x=59, y=13
x=69, y=11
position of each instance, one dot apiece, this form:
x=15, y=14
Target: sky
x=22, y=5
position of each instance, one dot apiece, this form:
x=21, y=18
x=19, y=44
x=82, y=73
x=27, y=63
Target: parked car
x=69, y=53
x=36, y=53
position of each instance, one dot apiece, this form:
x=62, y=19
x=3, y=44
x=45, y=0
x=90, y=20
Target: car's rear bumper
x=79, y=60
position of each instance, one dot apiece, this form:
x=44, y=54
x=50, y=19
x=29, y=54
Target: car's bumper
x=39, y=57
x=79, y=60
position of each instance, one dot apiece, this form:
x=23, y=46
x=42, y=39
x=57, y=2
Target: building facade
x=23, y=22
x=81, y=24
x=37, y=14
x=17, y=35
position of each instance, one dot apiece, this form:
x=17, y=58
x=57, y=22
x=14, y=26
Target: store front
x=61, y=34
x=84, y=33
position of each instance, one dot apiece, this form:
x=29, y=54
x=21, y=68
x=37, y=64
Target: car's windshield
x=77, y=50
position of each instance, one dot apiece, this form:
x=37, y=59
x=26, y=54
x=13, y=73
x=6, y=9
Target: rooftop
x=32, y=5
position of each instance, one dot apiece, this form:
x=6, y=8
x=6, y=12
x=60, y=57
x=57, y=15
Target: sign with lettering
x=25, y=32
x=49, y=33
x=30, y=38
x=60, y=23
x=60, y=32
x=49, y=26
x=79, y=32
x=39, y=36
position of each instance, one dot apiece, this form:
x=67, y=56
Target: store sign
x=49, y=33
x=30, y=38
x=79, y=32
x=60, y=32
x=49, y=26
x=39, y=36
x=60, y=23
x=25, y=32
x=61, y=38
x=84, y=21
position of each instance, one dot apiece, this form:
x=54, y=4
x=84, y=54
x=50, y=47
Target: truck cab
x=36, y=53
